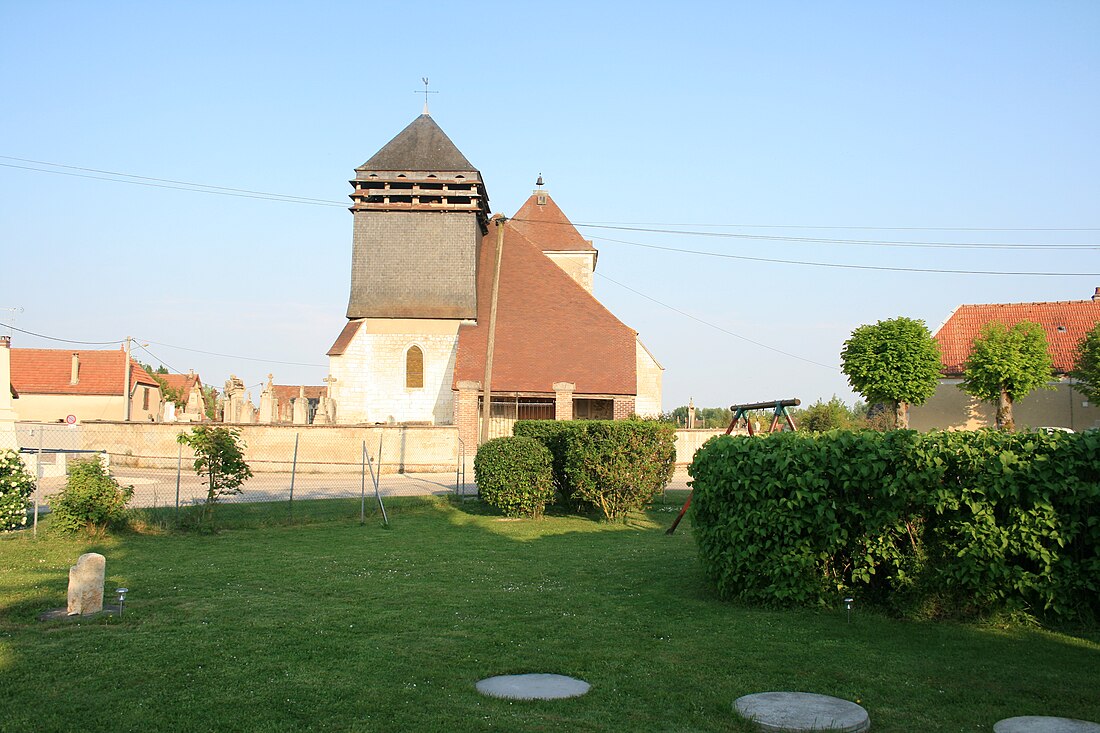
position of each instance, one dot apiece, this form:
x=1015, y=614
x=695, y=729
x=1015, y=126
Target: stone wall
x=650, y=374
x=577, y=265
x=321, y=449
x=952, y=409
x=370, y=374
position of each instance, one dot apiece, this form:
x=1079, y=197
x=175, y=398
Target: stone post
x=301, y=408
x=466, y=414
x=86, y=584
x=8, y=438
x=268, y=404
x=563, y=400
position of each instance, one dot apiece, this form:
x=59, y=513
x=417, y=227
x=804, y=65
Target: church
x=424, y=255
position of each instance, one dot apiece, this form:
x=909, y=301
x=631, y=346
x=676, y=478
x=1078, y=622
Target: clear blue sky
x=798, y=116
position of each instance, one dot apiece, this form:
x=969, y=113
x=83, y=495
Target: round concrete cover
x=532, y=686
x=793, y=712
x=1043, y=724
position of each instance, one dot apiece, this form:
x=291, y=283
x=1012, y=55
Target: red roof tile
x=345, y=337
x=287, y=392
x=549, y=328
x=548, y=227
x=1065, y=323
x=48, y=371
x=184, y=383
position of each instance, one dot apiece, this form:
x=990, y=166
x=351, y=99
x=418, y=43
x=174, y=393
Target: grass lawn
x=335, y=625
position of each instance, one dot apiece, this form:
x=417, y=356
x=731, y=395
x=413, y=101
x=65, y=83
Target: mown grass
x=333, y=625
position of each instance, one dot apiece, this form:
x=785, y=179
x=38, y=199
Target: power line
x=809, y=263
x=717, y=327
x=631, y=226
x=65, y=341
x=830, y=240
x=212, y=190
x=235, y=356
x=145, y=348
x=865, y=228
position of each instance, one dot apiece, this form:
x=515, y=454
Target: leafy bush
x=515, y=475
x=16, y=486
x=939, y=524
x=219, y=460
x=92, y=498
x=614, y=466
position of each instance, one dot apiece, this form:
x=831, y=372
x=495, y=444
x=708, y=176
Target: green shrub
x=615, y=466
x=16, y=486
x=515, y=476
x=92, y=499
x=953, y=524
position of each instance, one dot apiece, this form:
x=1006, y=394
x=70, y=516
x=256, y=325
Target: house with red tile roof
x=88, y=384
x=1064, y=323
x=191, y=406
x=424, y=256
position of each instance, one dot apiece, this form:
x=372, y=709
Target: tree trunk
x=901, y=415
x=1004, y=412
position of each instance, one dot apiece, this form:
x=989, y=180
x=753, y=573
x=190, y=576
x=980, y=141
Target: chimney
x=5, y=341
x=74, y=374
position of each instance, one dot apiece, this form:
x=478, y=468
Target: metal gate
x=505, y=411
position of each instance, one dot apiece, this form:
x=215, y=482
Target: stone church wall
x=648, y=400
x=370, y=374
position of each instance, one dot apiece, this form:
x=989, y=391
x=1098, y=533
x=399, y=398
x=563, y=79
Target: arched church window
x=414, y=368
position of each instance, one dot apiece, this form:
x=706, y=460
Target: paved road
x=157, y=487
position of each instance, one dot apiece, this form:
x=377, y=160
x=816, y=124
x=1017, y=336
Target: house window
x=414, y=368
x=145, y=399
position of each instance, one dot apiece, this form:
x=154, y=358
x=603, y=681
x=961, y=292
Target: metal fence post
x=363, y=486
x=37, y=481
x=179, y=471
x=293, y=471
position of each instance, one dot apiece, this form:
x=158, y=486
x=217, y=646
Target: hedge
x=615, y=466
x=936, y=524
x=515, y=476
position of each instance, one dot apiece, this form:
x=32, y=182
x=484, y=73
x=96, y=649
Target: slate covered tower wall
x=420, y=210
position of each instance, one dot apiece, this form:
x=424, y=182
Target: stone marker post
x=86, y=584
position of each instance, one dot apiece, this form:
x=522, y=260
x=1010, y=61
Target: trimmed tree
x=219, y=460
x=1005, y=364
x=895, y=361
x=1086, y=365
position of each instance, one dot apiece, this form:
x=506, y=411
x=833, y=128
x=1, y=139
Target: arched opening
x=414, y=368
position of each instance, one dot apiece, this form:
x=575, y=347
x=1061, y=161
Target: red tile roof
x=549, y=328
x=184, y=383
x=1065, y=323
x=287, y=392
x=344, y=339
x=548, y=227
x=48, y=371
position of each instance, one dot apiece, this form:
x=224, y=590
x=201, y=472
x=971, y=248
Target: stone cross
x=86, y=584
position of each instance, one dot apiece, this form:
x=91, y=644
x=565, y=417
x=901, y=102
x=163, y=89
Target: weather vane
x=426, y=93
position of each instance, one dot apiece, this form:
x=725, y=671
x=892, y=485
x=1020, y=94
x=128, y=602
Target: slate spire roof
x=422, y=146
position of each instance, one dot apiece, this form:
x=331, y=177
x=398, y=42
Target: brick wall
x=624, y=408
x=563, y=400
x=466, y=416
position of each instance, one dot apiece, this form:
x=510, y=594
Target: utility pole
x=487, y=385
x=126, y=386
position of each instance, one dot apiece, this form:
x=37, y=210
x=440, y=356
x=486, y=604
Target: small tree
x=1086, y=366
x=1005, y=364
x=832, y=415
x=895, y=361
x=92, y=500
x=219, y=460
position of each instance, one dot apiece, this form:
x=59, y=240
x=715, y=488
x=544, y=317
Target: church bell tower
x=420, y=210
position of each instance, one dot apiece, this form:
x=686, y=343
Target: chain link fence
x=289, y=463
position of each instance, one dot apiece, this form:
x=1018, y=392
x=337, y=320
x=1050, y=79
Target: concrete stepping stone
x=1044, y=724
x=532, y=687
x=796, y=712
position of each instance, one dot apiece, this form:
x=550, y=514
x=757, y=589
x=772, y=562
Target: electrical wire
x=64, y=341
x=833, y=226
x=717, y=327
x=235, y=356
x=810, y=263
